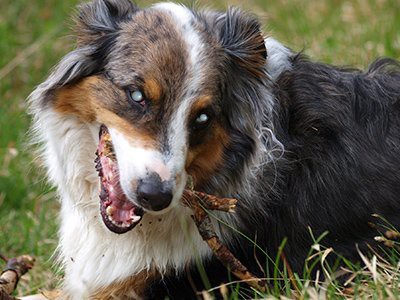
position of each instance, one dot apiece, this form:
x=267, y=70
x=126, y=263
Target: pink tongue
x=123, y=209
x=123, y=215
x=118, y=213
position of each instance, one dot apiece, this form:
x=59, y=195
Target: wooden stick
x=16, y=267
x=199, y=201
x=210, y=202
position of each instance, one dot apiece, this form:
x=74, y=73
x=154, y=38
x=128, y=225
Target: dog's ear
x=241, y=37
x=98, y=18
x=97, y=26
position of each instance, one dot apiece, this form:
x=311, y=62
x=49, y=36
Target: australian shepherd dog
x=304, y=147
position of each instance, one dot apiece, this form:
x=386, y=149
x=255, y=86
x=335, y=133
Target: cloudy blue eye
x=136, y=96
x=202, y=119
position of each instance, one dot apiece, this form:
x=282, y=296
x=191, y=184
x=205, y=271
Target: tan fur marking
x=202, y=103
x=135, y=137
x=131, y=288
x=76, y=100
x=88, y=101
x=204, y=159
x=152, y=89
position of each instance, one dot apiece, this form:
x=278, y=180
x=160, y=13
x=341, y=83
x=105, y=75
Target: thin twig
x=199, y=201
x=16, y=267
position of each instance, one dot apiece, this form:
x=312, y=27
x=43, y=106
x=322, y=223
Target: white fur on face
x=137, y=162
x=183, y=17
x=178, y=132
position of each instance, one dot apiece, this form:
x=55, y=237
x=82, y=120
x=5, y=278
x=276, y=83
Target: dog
x=302, y=145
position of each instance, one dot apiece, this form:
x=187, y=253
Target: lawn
x=34, y=35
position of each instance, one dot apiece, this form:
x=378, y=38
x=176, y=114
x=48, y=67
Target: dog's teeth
x=136, y=219
x=110, y=210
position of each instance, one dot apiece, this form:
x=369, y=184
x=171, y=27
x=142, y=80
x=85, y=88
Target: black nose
x=153, y=194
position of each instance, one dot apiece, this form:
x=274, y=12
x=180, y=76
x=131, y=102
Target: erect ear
x=98, y=18
x=241, y=37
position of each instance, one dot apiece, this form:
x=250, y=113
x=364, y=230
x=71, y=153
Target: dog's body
x=301, y=145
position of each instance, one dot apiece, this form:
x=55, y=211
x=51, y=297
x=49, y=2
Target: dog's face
x=176, y=90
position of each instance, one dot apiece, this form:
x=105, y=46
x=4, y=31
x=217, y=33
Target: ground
x=34, y=35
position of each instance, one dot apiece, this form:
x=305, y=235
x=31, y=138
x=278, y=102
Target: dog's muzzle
x=154, y=194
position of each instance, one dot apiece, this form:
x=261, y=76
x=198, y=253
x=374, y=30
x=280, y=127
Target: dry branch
x=199, y=202
x=16, y=267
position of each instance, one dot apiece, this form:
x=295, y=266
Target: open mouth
x=118, y=213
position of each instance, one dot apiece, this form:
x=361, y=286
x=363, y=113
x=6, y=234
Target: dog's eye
x=202, y=119
x=137, y=97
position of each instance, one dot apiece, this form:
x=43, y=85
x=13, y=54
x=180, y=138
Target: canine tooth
x=110, y=210
x=136, y=219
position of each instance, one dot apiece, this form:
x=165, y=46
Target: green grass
x=33, y=37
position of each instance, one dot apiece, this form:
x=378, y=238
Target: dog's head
x=178, y=90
